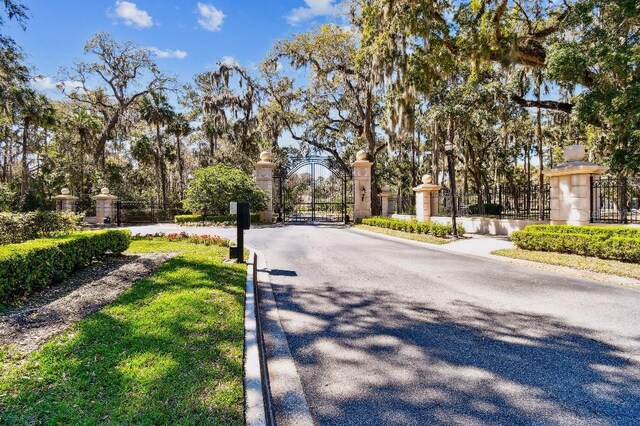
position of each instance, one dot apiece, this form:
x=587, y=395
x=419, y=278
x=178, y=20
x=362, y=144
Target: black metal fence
x=135, y=212
x=503, y=201
x=615, y=200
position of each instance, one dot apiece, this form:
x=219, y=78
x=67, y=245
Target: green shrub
x=596, y=241
x=219, y=219
x=20, y=227
x=413, y=226
x=213, y=188
x=30, y=266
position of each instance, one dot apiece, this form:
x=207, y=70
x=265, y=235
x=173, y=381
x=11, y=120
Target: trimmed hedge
x=33, y=265
x=20, y=227
x=222, y=219
x=618, y=231
x=604, y=242
x=413, y=226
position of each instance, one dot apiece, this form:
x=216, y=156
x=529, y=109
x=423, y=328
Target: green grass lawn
x=614, y=267
x=425, y=238
x=167, y=351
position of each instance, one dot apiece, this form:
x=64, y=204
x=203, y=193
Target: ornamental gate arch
x=313, y=189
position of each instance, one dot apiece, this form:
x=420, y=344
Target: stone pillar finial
x=574, y=153
x=425, y=208
x=570, y=188
x=263, y=176
x=361, y=186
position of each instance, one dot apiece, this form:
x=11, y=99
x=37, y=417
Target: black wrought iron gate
x=313, y=189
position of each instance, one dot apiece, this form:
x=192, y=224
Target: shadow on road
x=370, y=358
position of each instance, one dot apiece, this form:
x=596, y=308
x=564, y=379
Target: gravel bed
x=26, y=327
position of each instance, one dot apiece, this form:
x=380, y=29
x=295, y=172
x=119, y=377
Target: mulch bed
x=28, y=326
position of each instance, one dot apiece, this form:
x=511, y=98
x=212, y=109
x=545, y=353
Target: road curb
x=257, y=398
x=284, y=381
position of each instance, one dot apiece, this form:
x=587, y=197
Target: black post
x=452, y=180
x=500, y=208
x=118, y=213
x=591, y=198
x=243, y=221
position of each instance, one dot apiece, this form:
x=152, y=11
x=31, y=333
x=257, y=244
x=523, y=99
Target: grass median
x=167, y=351
x=425, y=238
x=592, y=264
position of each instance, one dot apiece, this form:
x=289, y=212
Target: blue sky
x=188, y=36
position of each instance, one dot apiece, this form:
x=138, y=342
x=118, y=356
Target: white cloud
x=210, y=18
x=173, y=54
x=45, y=83
x=313, y=9
x=133, y=16
x=229, y=61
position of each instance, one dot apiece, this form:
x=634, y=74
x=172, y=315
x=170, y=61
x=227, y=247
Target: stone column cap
x=362, y=163
x=63, y=197
x=575, y=168
x=265, y=164
x=427, y=187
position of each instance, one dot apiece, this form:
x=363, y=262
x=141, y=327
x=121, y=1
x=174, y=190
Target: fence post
x=263, y=176
x=65, y=201
x=570, y=188
x=424, y=192
x=386, y=196
x=104, y=205
x=361, y=186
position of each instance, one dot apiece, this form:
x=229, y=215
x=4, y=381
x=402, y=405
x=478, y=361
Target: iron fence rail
x=527, y=202
x=615, y=200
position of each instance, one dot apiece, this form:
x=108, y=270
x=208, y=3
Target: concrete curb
x=285, y=384
x=255, y=397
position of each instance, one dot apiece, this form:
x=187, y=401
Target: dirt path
x=27, y=327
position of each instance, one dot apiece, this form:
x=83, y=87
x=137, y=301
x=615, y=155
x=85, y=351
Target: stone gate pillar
x=386, y=196
x=570, y=187
x=361, y=186
x=105, y=206
x=425, y=205
x=263, y=176
x=65, y=201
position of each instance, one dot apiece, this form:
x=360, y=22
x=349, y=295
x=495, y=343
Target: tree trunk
x=369, y=134
x=100, y=154
x=162, y=168
x=24, y=181
x=180, y=166
x=541, y=200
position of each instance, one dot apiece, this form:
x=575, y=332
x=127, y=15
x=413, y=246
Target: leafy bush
x=218, y=219
x=596, y=241
x=20, y=227
x=213, y=188
x=413, y=226
x=30, y=266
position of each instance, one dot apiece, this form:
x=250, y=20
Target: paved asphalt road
x=384, y=332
